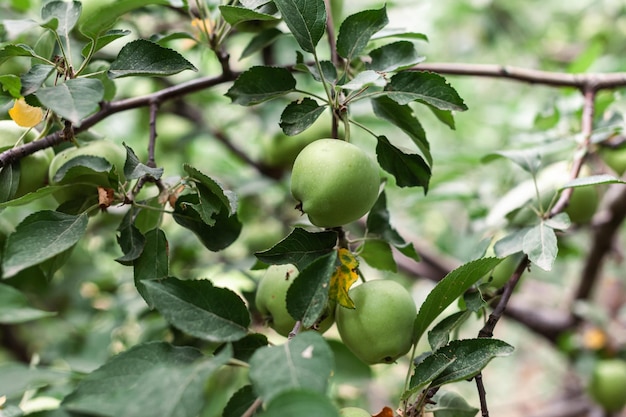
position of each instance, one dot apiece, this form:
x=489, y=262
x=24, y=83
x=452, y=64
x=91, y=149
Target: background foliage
x=64, y=320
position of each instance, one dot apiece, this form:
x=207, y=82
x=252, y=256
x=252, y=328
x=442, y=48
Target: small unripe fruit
x=33, y=168
x=608, y=384
x=335, y=182
x=271, y=299
x=380, y=327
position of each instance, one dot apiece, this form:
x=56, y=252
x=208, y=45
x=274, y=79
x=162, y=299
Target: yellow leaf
x=342, y=279
x=24, y=114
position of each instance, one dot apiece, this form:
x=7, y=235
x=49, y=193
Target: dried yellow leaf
x=24, y=114
x=342, y=279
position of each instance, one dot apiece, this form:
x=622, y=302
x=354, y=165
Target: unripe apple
x=86, y=184
x=33, y=168
x=615, y=158
x=335, y=182
x=608, y=384
x=380, y=327
x=271, y=299
x=353, y=412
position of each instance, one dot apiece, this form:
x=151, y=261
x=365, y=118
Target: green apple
x=33, y=168
x=608, y=384
x=335, y=182
x=380, y=327
x=504, y=270
x=86, y=181
x=353, y=412
x=271, y=299
x=615, y=158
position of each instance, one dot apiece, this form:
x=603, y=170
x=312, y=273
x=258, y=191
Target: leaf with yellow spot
x=342, y=279
x=24, y=114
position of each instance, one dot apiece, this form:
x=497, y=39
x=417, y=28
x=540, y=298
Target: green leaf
x=365, y=79
x=304, y=362
x=134, y=169
x=378, y=225
x=527, y=159
x=66, y=14
x=153, y=263
x=356, y=30
x=300, y=248
x=299, y=115
x=200, y=309
x=74, y=99
x=399, y=33
x=224, y=231
x=240, y=402
x=449, y=289
x=100, y=16
x=307, y=296
x=83, y=166
x=260, y=41
x=245, y=347
x=208, y=186
x=145, y=58
x=41, y=236
x=11, y=84
x=35, y=77
x=592, y=180
x=540, y=244
x=17, y=378
x=428, y=87
x=377, y=253
x=10, y=51
x=259, y=84
x=30, y=197
x=409, y=170
x=14, y=307
x=427, y=370
x=403, y=117
x=440, y=334
x=130, y=239
x=305, y=19
x=444, y=116
x=471, y=355
x=104, y=40
x=511, y=243
x=236, y=14
x=9, y=181
x=450, y=404
x=301, y=403
x=394, y=57
x=165, y=379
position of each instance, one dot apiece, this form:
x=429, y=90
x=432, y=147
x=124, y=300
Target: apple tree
x=237, y=208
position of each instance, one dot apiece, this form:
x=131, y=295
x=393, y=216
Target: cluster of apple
x=378, y=330
x=336, y=183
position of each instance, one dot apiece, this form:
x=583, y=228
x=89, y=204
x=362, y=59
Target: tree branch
x=596, y=81
x=108, y=109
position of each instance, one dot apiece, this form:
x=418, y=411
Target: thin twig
x=498, y=311
x=587, y=130
x=482, y=395
x=154, y=109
